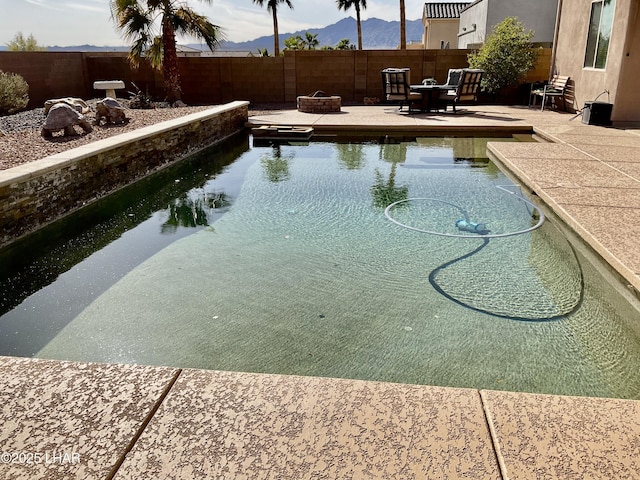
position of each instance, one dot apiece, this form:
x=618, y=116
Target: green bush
x=14, y=93
x=506, y=56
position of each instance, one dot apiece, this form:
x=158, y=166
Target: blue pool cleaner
x=467, y=226
x=477, y=230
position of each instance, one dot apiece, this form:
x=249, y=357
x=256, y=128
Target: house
x=478, y=19
x=187, y=51
x=230, y=53
x=598, y=46
x=441, y=23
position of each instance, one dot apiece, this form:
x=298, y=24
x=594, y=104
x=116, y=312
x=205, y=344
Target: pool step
x=282, y=133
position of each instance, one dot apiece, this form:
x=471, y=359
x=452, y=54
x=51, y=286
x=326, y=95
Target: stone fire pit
x=319, y=102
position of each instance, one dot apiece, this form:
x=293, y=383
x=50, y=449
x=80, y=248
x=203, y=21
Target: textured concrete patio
x=64, y=420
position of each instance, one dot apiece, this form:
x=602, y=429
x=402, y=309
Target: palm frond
x=272, y=5
x=117, y=6
x=138, y=50
x=131, y=18
x=187, y=22
x=155, y=52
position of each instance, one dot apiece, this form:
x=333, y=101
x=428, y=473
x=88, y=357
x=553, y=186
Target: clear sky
x=78, y=22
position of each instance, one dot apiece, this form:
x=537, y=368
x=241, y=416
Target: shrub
x=14, y=93
x=140, y=99
x=506, y=56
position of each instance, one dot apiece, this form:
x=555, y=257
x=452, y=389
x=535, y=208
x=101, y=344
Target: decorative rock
x=77, y=103
x=64, y=117
x=111, y=110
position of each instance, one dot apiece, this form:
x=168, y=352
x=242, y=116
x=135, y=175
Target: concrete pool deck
x=97, y=421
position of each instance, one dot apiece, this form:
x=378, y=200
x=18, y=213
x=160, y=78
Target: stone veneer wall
x=35, y=194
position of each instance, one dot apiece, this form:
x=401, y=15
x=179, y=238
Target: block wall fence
x=350, y=74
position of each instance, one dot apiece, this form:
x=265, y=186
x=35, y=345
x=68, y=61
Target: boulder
x=64, y=117
x=77, y=103
x=111, y=110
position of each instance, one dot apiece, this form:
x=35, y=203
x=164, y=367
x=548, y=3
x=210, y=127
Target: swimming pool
x=282, y=260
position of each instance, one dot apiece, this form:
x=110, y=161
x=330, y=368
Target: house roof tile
x=443, y=10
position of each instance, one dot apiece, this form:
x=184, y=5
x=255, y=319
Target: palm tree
x=403, y=27
x=272, y=6
x=345, y=44
x=138, y=18
x=357, y=4
x=310, y=41
x=294, y=43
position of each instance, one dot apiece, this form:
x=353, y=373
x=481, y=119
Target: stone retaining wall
x=35, y=194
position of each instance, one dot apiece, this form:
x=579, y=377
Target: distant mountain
x=376, y=34
x=88, y=48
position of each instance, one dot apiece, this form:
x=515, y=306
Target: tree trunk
x=276, y=36
x=359, y=26
x=170, y=70
x=403, y=27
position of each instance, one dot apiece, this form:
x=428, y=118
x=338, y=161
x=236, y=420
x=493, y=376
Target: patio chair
x=465, y=91
x=453, y=78
x=556, y=88
x=396, y=87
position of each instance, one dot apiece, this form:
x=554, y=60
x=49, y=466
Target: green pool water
x=290, y=266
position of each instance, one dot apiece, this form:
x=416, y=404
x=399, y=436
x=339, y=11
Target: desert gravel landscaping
x=21, y=141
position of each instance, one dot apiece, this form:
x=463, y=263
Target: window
x=600, y=26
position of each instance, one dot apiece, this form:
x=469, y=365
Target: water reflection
x=276, y=165
x=33, y=263
x=384, y=190
x=195, y=209
x=351, y=155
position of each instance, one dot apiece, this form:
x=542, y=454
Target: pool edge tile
x=549, y=436
x=246, y=425
x=74, y=419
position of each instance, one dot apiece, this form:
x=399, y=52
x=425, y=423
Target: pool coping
x=108, y=421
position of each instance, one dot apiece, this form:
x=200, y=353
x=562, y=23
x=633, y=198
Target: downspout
x=555, y=40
